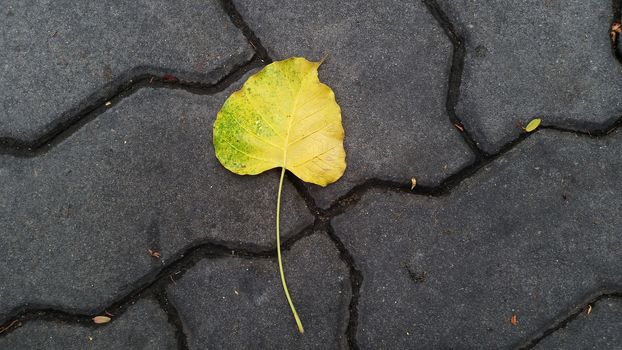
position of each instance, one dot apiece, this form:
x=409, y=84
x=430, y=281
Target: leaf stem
x=278, y=253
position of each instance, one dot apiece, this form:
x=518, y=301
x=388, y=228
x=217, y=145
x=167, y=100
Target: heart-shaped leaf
x=283, y=116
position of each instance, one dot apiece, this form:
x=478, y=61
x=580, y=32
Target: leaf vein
x=316, y=156
x=255, y=134
x=248, y=154
x=311, y=133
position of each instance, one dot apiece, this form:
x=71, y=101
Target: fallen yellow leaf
x=283, y=116
x=533, y=125
x=413, y=183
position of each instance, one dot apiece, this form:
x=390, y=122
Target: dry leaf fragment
x=101, y=319
x=459, y=127
x=533, y=125
x=9, y=326
x=588, y=309
x=413, y=183
x=616, y=28
x=154, y=253
x=514, y=320
x=108, y=103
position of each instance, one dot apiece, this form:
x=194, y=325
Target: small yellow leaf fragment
x=101, y=319
x=413, y=183
x=588, y=309
x=533, y=125
x=514, y=320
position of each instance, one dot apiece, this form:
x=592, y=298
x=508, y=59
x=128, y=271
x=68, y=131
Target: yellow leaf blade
x=283, y=116
x=533, y=125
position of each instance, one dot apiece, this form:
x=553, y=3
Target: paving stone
x=143, y=326
x=59, y=57
x=601, y=329
x=237, y=303
x=549, y=59
x=77, y=221
x=388, y=63
x=530, y=234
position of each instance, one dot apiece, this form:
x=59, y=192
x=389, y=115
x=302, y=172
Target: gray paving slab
x=388, y=63
x=237, y=303
x=527, y=59
x=78, y=221
x=59, y=57
x=530, y=234
x=600, y=329
x=143, y=326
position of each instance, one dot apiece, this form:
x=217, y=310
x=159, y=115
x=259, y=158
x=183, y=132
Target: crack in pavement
x=356, y=279
x=173, y=317
x=570, y=317
x=153, y=283
x=156, y=78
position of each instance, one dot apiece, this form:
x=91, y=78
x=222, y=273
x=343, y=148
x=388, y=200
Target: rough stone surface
x=549, y=59
x=601, y=329
x=56, y=57
x=530, y=235
x=143, y=327
x=237, y=303
x=77, y=221
x=388, y=63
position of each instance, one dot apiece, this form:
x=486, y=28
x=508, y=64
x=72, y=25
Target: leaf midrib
x=291, y=118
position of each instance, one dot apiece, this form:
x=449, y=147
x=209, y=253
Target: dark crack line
x=303, y=191
x=153, y=283
x=66, y=126
x=570, y=317
x=130, y=82
x=173, y=317
x=455, y=75
x=340, y=205
x=455, y=79
x=51, y=314
x=356, y=279
x=239, y=22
